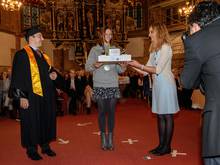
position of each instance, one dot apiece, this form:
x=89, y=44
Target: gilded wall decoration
x=78, y=22
x=45, y=19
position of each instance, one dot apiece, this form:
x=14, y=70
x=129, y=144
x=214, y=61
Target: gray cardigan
x=102, y=78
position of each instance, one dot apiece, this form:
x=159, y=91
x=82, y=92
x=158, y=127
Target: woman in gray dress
x=164, y=94
x=105, y=86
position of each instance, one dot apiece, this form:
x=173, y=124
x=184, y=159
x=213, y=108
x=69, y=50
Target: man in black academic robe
x=37, y=109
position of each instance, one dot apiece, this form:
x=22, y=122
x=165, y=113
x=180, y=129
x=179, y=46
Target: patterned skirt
x=105, y=93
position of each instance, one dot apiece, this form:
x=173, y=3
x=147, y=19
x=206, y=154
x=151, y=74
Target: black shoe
x=34, y=156
x=155, y=150
x=49, y=152
x=162, y=152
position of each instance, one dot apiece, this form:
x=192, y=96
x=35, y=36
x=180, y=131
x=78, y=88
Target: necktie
x=38, y=52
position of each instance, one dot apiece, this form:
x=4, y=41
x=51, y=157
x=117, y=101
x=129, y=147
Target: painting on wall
x=35, y=18
x=26, y=17
x=134, y=16
x=91, y=21
x=30, y=16
x=46, y=22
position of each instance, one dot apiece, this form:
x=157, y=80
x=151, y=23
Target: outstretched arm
x=142, y=68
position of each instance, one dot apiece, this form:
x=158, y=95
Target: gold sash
x=35, y=76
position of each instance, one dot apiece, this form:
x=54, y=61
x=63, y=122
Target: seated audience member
x=88, y=92
x=62, y=102
x=71, y=90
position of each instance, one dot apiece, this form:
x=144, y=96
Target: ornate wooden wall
x=10, y=22
x=75, y=24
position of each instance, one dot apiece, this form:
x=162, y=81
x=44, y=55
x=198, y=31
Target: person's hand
x=58, y=91
x=98, y=64
x=24, y=103
x=53, y=75
x=123, y=64
x=88, y=88
x=134, y=63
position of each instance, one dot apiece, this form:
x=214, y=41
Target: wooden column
x=97, y=8
x=53, y=20
x=125, y=21
x=84, y=20
x=103, y=12
x=77, y=19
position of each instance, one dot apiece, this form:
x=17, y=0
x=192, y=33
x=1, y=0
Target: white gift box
x=114, y=52
x=114, y=56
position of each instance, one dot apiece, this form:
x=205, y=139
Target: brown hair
x=100, y=35
x=162, y=36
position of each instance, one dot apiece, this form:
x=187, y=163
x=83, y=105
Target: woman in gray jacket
x=105, y=86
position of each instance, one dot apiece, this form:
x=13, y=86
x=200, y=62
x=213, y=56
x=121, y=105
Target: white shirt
x=72, y=84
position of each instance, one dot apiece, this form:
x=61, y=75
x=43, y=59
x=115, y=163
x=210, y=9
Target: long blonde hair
x=162, y=36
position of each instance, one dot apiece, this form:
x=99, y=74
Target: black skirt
x=106, y=93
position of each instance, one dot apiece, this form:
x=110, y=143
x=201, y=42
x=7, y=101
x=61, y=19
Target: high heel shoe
x=163, y=151
x=110, y=141
x=103, y=141
x=155, y=150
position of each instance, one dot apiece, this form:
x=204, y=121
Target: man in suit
x=71, y=90
x=202, y=67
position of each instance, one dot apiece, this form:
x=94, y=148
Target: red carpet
x=133, y=121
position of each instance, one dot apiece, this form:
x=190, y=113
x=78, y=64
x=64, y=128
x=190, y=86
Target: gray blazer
x=202, y=65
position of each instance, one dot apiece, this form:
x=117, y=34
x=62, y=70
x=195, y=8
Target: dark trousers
x=212, y=161
x=106, y=109
x=72, y=104
x=186, y=97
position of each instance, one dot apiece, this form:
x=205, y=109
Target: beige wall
x=7, y=44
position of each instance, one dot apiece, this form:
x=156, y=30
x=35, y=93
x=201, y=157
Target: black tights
x=106, y=106
x=165, y=130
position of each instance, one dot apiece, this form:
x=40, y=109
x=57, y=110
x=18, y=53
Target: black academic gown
x=38, y=122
